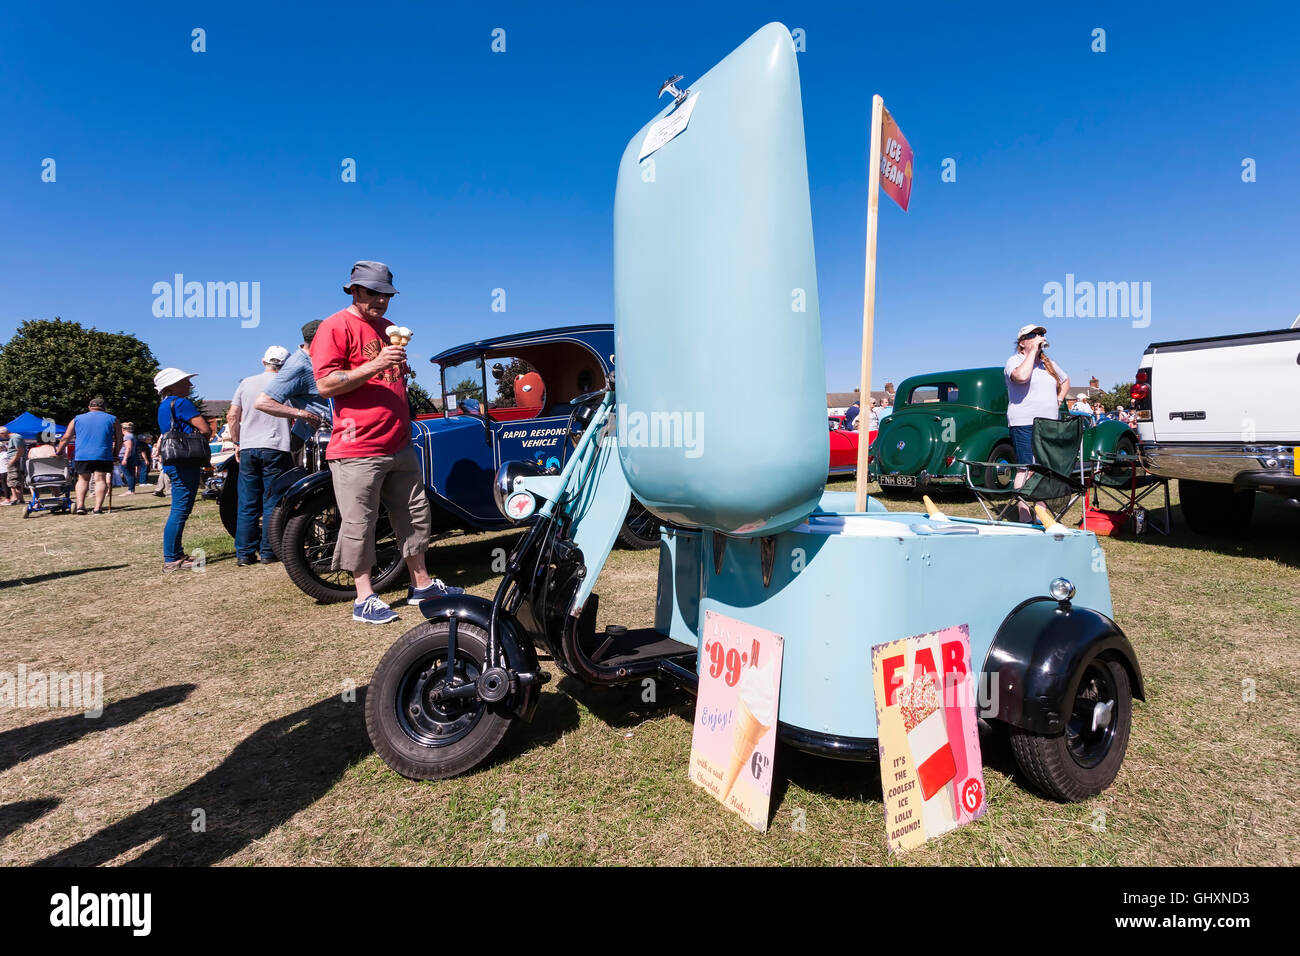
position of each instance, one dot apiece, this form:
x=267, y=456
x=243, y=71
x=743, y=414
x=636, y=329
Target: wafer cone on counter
x=933, y=510
x=1050, y=524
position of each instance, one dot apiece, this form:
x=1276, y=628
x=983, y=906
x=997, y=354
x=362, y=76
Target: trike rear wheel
x=417, y=735
x=1084, y=759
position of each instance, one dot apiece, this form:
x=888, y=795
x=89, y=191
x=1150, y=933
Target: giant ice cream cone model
x=755, y=714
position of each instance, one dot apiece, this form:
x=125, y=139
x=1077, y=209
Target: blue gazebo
x=31, y=426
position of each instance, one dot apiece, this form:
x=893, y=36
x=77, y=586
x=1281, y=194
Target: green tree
x=1116, y=396
x=54, y=368
x=506, y=383
x=421, y=402
x=466, y=388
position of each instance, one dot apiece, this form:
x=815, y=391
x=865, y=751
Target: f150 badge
x=1188, y=416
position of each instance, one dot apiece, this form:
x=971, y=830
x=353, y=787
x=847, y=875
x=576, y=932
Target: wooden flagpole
x=869, y=299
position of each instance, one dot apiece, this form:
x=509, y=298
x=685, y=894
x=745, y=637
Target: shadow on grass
x=848, y=780
x=466, y=560
x=842, y=779
x=15, y=816
x=34, y=740
x=556, y=715
x=55, y=575
x=622, y=706
x=282, y=768
x=1272, y=535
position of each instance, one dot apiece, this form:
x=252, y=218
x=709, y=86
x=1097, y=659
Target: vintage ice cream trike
x=715, y=296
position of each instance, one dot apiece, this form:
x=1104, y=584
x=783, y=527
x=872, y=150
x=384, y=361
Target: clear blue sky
x=479, y=170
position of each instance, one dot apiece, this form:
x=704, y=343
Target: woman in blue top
x=173, y=387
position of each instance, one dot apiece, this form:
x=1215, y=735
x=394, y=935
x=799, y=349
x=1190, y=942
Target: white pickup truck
x=1222, y=415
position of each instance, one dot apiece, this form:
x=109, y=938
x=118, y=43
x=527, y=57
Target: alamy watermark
x=71, y=690
x=212, y=300
x=1098, y=300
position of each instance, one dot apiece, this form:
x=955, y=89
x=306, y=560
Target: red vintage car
x=844, y=446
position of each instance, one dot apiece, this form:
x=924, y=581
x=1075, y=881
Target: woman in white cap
x=177, y=411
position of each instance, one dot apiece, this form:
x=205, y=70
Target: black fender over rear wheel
x=307, y=550
x=418, y=736
x=1084, y=759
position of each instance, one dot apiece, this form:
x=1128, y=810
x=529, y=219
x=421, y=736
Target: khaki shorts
x=360, y=484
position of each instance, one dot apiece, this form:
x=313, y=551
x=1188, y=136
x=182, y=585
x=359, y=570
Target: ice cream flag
x=931, y=770
x=735, y=715
x=896, y=170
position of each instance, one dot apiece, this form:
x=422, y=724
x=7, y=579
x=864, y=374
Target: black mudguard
x=304, y=488
x=1036, y=661
x=520, y=654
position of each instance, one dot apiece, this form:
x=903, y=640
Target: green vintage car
x=944, y=417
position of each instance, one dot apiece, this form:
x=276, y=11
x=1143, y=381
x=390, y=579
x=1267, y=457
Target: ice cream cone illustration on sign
x=736, y=710
x=755, y=714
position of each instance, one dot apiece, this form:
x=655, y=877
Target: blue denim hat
x=374, y=276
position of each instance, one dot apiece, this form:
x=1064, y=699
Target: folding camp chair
x=1055, y=480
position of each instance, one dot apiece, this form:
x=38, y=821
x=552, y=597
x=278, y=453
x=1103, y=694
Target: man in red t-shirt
x=370, y=453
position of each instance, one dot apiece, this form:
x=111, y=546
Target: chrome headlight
x=1061, y=589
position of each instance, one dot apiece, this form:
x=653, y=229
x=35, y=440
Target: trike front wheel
x=1084, y=759
x=418, y=735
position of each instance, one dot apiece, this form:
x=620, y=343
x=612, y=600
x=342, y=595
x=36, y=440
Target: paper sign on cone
x=735, y=715
x=931, y=770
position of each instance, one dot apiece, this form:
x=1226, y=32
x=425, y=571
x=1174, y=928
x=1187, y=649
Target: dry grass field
x=226, y=737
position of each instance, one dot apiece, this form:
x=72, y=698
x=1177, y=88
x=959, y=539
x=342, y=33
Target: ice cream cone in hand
x=394, y=334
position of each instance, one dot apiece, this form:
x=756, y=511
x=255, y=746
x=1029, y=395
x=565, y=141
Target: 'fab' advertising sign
x=931, y=770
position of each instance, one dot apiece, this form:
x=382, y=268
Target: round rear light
x=1139, y=392
x=1143, y=375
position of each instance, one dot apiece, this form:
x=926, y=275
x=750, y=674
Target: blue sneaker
x=434, y=591
x=373, y=611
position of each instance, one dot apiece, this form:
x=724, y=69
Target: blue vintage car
x=508, y=398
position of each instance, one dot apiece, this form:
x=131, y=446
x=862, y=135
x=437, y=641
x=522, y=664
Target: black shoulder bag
x=183, y=449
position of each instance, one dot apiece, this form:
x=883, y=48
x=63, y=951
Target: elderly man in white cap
x=370, y=453
x=177, y=411
x=262, y=451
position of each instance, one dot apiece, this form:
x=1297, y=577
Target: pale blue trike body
x=715, y=298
